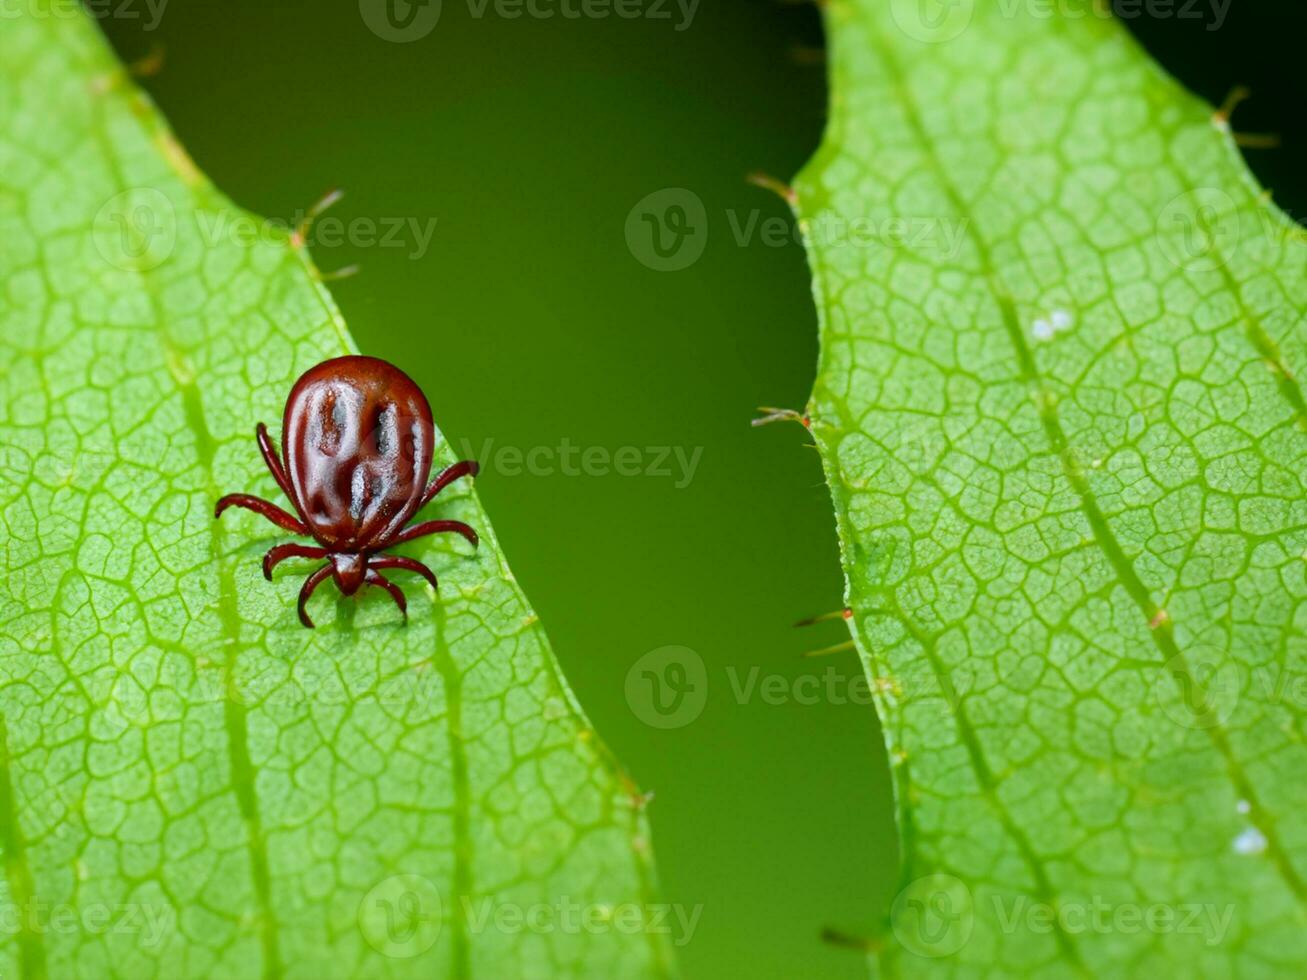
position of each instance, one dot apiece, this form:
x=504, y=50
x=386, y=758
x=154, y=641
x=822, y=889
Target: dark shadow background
x=528, y=321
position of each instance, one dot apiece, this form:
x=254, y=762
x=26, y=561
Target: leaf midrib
x=31, y=945
x=233, y=706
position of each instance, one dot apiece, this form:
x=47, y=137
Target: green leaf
x=1059, y=410
x=192, y=783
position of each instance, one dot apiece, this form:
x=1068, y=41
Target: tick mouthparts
x=348, y=569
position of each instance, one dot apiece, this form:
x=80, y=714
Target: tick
x=356, y=448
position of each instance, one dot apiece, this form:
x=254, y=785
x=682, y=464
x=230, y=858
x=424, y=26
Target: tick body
x=357, y=442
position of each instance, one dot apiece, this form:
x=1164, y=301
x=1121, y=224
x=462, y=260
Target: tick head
x=348, y=570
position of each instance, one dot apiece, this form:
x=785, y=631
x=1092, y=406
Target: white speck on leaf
x=1243, y=806
x=1251, y=841
x=1045, y=328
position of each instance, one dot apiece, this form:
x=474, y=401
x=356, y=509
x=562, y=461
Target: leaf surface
x=1059, y=408
x=192, y=783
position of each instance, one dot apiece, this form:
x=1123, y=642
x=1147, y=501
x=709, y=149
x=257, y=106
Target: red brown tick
x=357, y=442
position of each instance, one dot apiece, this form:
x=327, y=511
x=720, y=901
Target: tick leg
x=396, y=561
x=432, y=527
x=274, y=463
x=381, y=582
x=311, y=583
x=279, y=554
x=260, y=506
x=467, y=467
